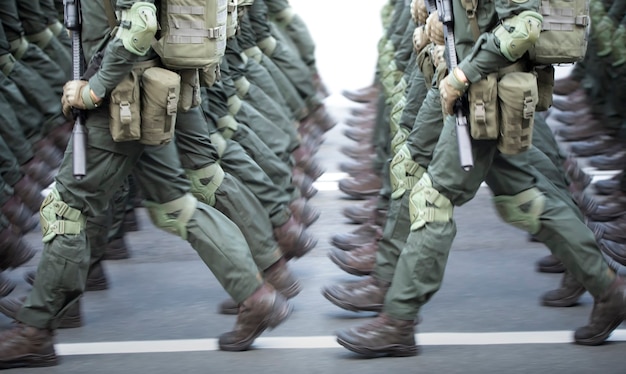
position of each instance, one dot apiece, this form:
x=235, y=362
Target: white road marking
x=320, y=342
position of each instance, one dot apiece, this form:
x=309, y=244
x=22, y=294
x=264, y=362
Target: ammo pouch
x=425, y=64
x=517, y=94
x=125, y=105
x=483, y=108
x=189, y=89
x=159, y=102
x=545, y=86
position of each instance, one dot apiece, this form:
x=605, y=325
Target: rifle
x=444, y=11
x=79, y=134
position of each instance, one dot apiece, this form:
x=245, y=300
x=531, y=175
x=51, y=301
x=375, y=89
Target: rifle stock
x=79, y=134
x=444, y=11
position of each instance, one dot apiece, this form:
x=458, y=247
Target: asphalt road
x=159, y=316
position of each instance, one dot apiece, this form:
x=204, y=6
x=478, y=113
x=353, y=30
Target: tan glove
x=434, y=29
x=437, y=54
x=77, y=94
x=419, y=39
x=422, y=12
x=451, y=89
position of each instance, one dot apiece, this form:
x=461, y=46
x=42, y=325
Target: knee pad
x=398, y=139
x=426, y=204
x=228, y=126
x=518, y=33
x=522, y=210
x=173, y=216
x=395, y=115
x=57, y=218
x=138, y=26
x=218, y=140
x=205, y=182
x=403, y=173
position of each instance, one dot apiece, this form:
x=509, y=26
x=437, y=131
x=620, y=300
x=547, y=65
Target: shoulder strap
x=470, y=9
x=108, y=9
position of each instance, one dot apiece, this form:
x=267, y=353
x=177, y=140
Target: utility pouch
x=425, y=64
x=545, y=86
x=189, y=89
x=159, y=102
x=483, y=108
x=517, y=94
x=125, y=109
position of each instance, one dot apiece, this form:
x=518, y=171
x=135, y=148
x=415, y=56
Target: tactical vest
x=193, y=33
x=563, y=37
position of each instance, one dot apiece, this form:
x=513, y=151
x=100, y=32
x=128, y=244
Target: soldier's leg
x=39, y=61
x=261, y=77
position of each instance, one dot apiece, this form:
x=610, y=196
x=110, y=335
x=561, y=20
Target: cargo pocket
x=125, y=109
x=517, y=94
x=483, y=108
x=159, y=103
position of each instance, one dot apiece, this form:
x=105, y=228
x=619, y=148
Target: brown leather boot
x=323, y=119
x=565, y=86
x=39, y=171
x=367, y=295
x=265, y=309
x=19, y=215
x=362, y=186
x=308, y=163
x=361, y=122
x=96, y=278
x=613, y=208
x=70, y=320
x=577, y=176
x=608, y=186
x=15, y=251
x=615, y=250
x=6, y=285
x=361, y=135
x=611, y=161
x=614, y=230
x=581, y=129
x=358, y=167
x=47, y=152
x=360, y=213
x=293, y=239
x=26, y=346
x=574, y=101
x=594, y=146
x=304, y=183
x=278, y=276
x=362, y=95
x=362, y=235
x=609, y=311
x=358, y=151
x=550, y=264
x=360, y=261
x=384, y=336
x=30, y=192
x=304, y=212
x=567, y=295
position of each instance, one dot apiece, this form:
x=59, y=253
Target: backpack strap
x=470, y=9
x=108, y=9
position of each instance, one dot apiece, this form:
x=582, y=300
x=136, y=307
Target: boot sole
x=394, y=350
x=346, y=268
x=351, y=307
x=600, y=338
x=271, y=322
x=566, y=301
x=31, y=361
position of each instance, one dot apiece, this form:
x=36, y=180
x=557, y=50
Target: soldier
x=514, y=182
x=172, y=207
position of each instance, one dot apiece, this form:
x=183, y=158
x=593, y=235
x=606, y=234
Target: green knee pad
x=205, y=182
x=57, y=218
x=228, y=126
x=173, y=216
x=522, y=210
x=426, y=204
x=398, y=139
x=395, y=115
x=404, y=173
x=218, y=140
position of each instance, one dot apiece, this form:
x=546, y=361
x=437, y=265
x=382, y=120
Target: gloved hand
x=451, y=88
x=437, y=55
x=77, y=94
x=419, y=39
x=434, y=29
x=419, y=12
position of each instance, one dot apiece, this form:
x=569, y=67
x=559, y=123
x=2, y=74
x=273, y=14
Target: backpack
x=563, y=37
x=193, y=33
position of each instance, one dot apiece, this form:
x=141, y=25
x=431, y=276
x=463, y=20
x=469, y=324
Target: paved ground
x=159, y=315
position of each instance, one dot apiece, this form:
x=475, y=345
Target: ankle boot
x=367, y=295
x=613, y=230
x=615, y=250
x=362, y=95
x=362, y=186
x=608, y=186
x=357, y=238
x=26, y=346
x=19, y=215
x=304, y=183
x=567, y=295
x=116, y=249
x=360, y=213
x=609, y=311
x=384, y=336
x=576, y=174
x=565, y=86
x=278, y=276
x=360, y=261
x=293, y=239
x=71, y=319
x=550, y=264
x=39, y=172
x=6, y=285
x=30, y=192
x=264, y=309
x=15, y=251
x=574, y=101
x=304, y=212
x=47, y=152
x=308, y=163
x=358, y=167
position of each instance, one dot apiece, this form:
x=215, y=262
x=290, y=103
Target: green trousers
x=287, y=88
x=421, y=265
x=65, y=259
x=269, y=133
x=28, y=122
x=259, y=76
x=17, y=148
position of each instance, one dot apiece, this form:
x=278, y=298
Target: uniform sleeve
x=486, y=56
x=116, y=63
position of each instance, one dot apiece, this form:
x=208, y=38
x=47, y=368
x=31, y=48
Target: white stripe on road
x=320, y=342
